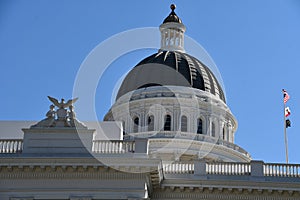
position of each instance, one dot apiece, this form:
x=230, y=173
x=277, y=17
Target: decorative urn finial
x=173, y=7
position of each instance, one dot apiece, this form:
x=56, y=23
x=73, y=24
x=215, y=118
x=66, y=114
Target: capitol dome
x=171, y=68
x=175, y=102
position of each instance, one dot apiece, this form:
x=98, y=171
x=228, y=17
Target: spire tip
x=173, y=7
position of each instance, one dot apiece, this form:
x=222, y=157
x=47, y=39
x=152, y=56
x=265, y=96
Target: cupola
x=172, y=32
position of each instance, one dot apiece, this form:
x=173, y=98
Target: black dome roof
x=171, y=68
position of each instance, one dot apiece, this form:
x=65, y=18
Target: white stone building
x=169, y=135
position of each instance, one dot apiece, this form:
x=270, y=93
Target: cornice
x=128, y=164
x=227, y=190
x=82, y=168
x=65, y=172
x=215, y=194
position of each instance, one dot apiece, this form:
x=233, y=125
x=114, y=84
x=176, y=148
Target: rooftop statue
x=60, y=117
x=49, y=120
x=62, y=103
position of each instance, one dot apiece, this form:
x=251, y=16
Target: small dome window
x=167, y=124
x=136, y=124
x=150, y=123
x=123, y=126
x=199, y=126
x=183, y=123
x=213, y=129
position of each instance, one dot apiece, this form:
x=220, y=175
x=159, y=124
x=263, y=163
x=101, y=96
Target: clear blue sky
x=254, y=43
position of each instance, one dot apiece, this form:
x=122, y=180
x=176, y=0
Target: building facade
x=169, y=135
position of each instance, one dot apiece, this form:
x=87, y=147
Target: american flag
x=286, y=96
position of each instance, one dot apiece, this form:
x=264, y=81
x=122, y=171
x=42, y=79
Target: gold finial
x=173, y=6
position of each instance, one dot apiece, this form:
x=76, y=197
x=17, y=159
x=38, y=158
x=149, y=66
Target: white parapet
x=57, y=140
x=108, y=130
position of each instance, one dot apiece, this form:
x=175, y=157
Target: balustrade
x=11, y=145
x=212, y=168
x=281, y=170
x=227, y=168
x=111, y=147
x=178, y=168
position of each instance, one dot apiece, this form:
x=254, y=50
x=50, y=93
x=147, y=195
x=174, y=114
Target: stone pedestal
x=58, y=140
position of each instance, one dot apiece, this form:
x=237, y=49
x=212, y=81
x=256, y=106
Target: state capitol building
x=169, y=135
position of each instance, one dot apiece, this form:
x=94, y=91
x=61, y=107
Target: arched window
x=213, y=129
x=172, y=42
x=183, y=123
x=136, y=124
x=150, y=123
x=199, y=126
x=181, y=41
x=167, y=125
x=177, y=41
x=123, y=126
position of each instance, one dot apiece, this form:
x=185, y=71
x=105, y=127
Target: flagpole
x=285, y=137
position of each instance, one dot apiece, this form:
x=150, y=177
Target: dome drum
x=217, y=122
x=171, y=99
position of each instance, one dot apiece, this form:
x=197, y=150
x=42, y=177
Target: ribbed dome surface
x=171, y=68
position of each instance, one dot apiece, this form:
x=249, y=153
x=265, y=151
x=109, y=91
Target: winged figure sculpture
x=62, y=103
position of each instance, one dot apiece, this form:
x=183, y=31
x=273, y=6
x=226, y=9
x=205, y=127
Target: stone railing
x=198, y=167
x=227, y=168
x=113, y=146
x=179, y=168
x=216, y=168
x=282, y=170
x=11, y=145
x=99, y=146
x=254, y=169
